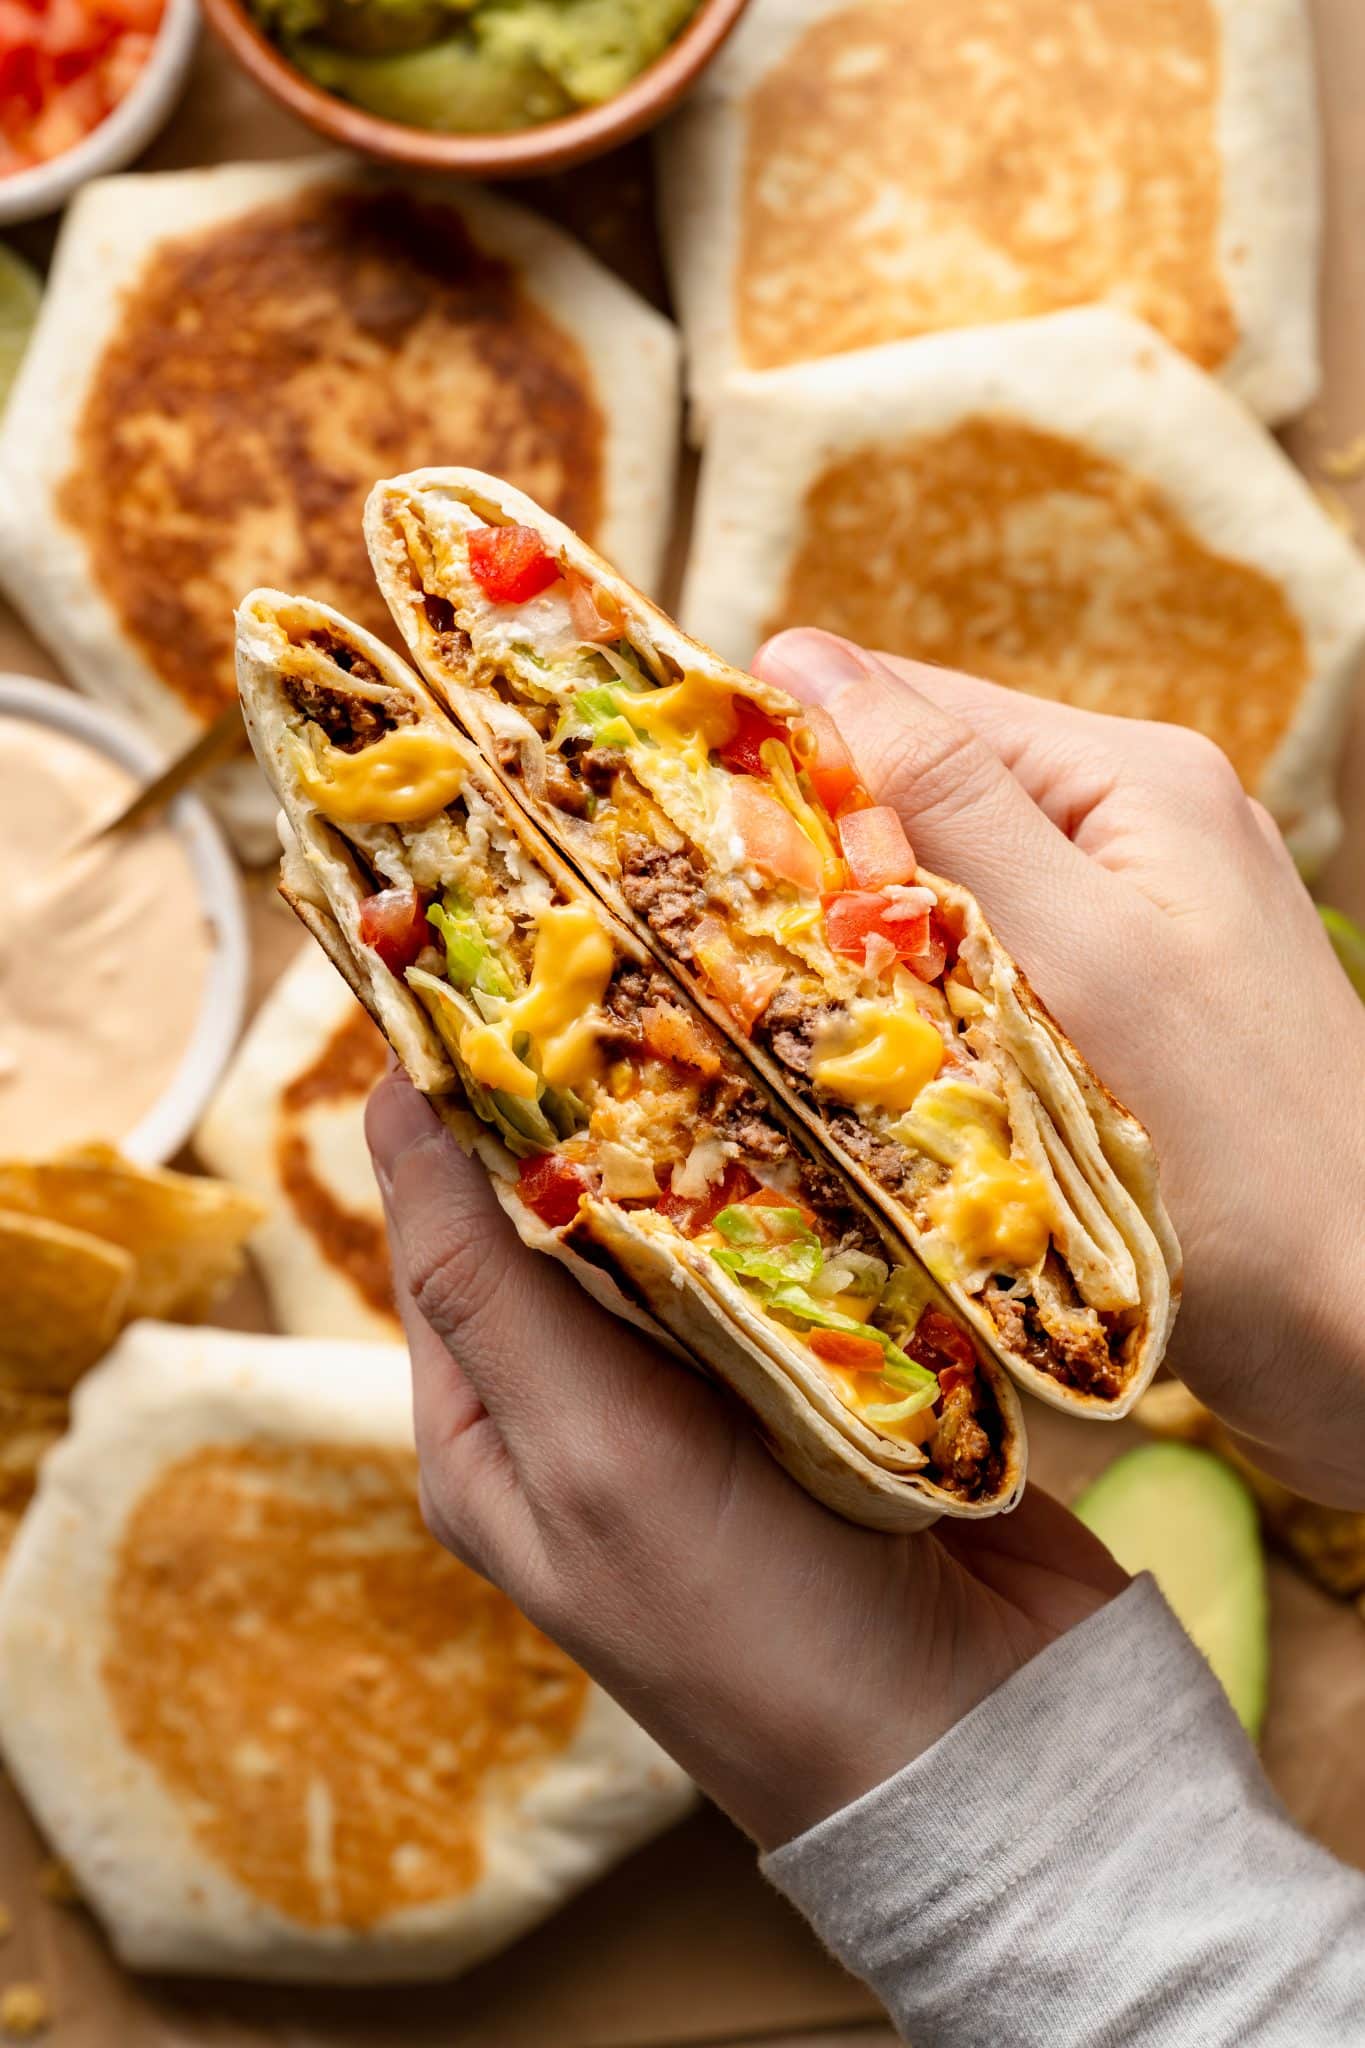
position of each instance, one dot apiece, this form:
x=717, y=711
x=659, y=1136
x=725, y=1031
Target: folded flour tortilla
x=871, y=995
x=624, y=1135
x=852, y=172
x=1064, y=505
x=272, y=1728
x=287, y=1122
x=226, y=359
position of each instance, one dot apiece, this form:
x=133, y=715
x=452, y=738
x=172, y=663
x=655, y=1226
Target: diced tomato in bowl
x=66, y=66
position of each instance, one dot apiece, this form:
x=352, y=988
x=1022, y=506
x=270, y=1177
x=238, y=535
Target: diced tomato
x=773, y=841
x=674, y=1035
x=394, y=924
x=511, y=563
x=778, y=1198
x=947, y=1350
x=692, y=1215
x=850, y=1353
x=826, y=759
x=745, y=991
x=741, y=753
x=853, y=916
x=596, y=614
x=64, y=66
x=552, y=1187
x=876, y=848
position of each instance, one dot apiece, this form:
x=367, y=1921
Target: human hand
x=1155, y=910
x=788, y=1660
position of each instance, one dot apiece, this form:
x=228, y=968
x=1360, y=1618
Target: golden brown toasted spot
x=266, y=371
x=948, y=163
x=333, y=1701
x=1021, y=556
x=352, y=1240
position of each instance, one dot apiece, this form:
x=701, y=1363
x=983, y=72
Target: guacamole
x=473, y=66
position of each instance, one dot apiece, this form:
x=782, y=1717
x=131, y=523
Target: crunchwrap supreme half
x=624, y=1135
x=727, y=823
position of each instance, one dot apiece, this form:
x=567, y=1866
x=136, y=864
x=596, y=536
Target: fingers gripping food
x=729, y=825
x=624, y=1133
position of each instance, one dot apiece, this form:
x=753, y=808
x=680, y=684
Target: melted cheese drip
x=690, y=717
x=558, y=1012
x=993, y=1208
x=898, y=1053
x=411, y=773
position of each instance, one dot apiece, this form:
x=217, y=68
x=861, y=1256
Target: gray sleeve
x=1092, y=1859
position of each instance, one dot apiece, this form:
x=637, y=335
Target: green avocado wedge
x=1184, y=1516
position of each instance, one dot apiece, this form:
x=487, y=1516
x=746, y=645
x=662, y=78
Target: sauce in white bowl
x=123, y=963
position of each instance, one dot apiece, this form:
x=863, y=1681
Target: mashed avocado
x=473, y=66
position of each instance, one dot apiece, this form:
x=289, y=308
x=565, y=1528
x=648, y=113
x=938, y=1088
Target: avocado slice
x=1183, y=1515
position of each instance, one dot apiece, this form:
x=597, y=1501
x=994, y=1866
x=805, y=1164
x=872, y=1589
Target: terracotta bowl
x=524, y=153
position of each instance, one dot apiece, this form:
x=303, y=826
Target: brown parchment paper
x=684, y=1943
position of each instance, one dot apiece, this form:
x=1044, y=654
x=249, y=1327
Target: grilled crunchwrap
x=727, y=824
x=625, y=1135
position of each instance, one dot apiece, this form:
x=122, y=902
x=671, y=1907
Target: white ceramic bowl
x=169, y=1122
x=129, y=128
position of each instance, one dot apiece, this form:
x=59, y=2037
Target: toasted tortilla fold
x=1094, y=1156
x=649, y=1276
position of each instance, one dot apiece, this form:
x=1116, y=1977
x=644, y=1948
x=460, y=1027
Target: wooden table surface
x=223, y=117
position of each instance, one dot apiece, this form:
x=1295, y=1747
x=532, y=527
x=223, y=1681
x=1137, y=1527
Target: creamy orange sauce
x=103, y=950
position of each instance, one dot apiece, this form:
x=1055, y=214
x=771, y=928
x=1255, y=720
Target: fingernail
x=397, y=1116
x=816, y=667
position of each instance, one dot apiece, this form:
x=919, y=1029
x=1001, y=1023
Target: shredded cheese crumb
x=24, y=2011
x=1347, y=463
x=56, y=1883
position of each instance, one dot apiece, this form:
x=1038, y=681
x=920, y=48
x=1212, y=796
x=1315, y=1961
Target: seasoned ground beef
x=894, y=1167
x=665, y=889
x=350, y=722
x=789, y=1025
x=566, y=789
x=1075, y=1349
x=960, y=1448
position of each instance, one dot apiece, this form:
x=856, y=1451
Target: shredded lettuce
x=901, y=1411
x=756, y=1223
x=772, y=1265
x=470, y=960
x=596, y=714
x=795, y=1301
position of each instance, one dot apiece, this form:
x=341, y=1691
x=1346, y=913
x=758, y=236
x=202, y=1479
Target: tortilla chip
x=65, y=1295
x=183, y=1232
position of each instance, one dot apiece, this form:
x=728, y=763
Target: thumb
x=967, y=816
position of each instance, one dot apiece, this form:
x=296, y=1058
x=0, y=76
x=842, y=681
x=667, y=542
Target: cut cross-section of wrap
x=625, y=1135
x=729, y=825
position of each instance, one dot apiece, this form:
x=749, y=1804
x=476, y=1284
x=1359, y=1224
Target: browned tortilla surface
x=966, y=161
x=266, y=371
x=1019, y=555
x=331, y=1698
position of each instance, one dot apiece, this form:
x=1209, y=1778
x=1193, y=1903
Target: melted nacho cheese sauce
x=318, y=1148
x=265, y=372
x=85, y=1051
x=1021, y=556
x=332, y=1700
x=980, y=160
